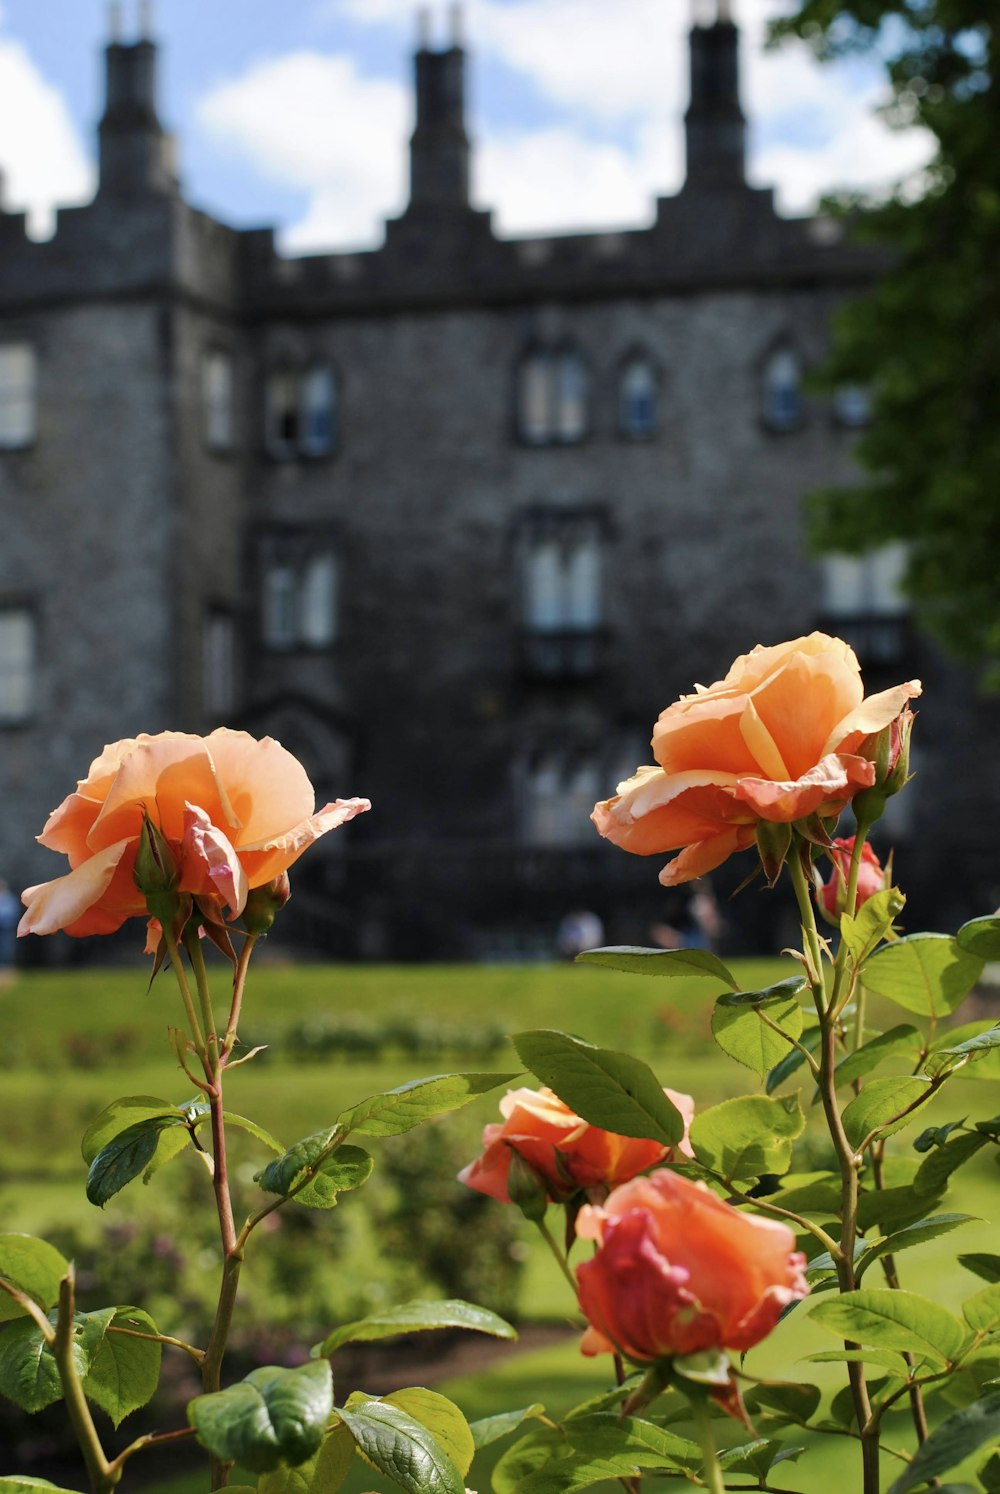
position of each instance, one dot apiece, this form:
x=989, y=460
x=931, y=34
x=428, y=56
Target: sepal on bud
x=263, y=904
x=157, y=874
x=526, y=1189
x=889, y=750
x=774, y=841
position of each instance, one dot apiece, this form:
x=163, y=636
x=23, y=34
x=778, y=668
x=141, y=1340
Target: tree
x=926, y=340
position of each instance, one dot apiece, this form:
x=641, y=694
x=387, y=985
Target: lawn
x=71, y=1042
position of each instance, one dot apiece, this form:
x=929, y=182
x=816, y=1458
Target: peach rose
x=678, y=1271
x=777, y=740
x=234, y=812
x=871, y=877
x=564, y=1151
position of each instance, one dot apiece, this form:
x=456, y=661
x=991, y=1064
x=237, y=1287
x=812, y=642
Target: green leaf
x=889, y=1359
x=642, y=1442
x=866, y=930
x=879, y=1105
x=792, y=1402
x=417, y=1317
x=171, y=1141
x=893, y=1320
x=747, y=1136
x=252, y=1128
x=442, y=1418
x=926, y=973
x=910, y=1235
x=401, y=1109
x=937, y=1167
x=956, y=1437
x=490, y=1429
x=612, y=1090
x=903, y=1039
x=757, y=1457
x=318, y=1173
x=119, y=1116
x=125, y=1157
x=983, y=1042
x=33, y=1266
x=739, y=1029
x=981, y=937
x=23, y=1485
x=274, y=1416
x=669, y=962
x=793, y=1060
x=323, y=1473
x=400, y=1447
x=124, y=1371
x=540, y=1446
x=982, y=1312
x=981, y=1264
x=28, y=1373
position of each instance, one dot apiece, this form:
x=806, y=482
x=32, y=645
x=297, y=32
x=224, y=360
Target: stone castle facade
x=453, y=519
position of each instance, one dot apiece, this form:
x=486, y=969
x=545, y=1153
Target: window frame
x=22, y=394
x=10, y=720
x=219, y=439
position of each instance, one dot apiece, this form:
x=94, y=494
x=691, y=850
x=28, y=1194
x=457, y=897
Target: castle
x=453, y=518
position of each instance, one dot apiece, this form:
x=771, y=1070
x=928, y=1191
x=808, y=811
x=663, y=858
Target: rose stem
x=848, y=1161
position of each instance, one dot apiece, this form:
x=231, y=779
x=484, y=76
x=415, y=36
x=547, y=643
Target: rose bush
x=777, y=741
x=234, y=812
x=564, y=1151
x=678, y=1271
x=872, y=878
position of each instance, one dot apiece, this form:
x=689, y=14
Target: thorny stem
x=173, y=949
x=918, y=1411
x=198, y=1355
x=848, y=1160
x=150, y=1439
x=239, y=984
x=103, y=1475
x=232, y=1244
x=561, y=1260
x=711, y=1472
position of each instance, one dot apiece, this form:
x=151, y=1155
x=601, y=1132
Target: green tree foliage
x=926, y=340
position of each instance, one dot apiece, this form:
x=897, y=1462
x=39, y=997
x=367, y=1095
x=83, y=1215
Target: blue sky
x=295, y=112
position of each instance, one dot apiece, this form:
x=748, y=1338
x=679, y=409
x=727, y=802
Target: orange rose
x=776, y=741
x=234, y=814
x=679, y=1271
x=564, y=1151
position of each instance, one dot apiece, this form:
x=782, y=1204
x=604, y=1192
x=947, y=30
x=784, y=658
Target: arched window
x=534, y=398
x=319, y=410
x=782, y=391
x=637, y=392
x=281, y=414
x=571, y=395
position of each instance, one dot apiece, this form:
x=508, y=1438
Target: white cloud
x=314, y=122
x=43, y=163
x=611, y=80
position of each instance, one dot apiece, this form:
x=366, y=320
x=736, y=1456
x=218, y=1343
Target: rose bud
x=677, y=1271
x=872, y=878
x=565, y=1152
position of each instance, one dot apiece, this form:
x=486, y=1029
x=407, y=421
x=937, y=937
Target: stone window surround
x=299, y=370
x=18, y=674
x=15, y=391
x=553, y=358
x=297, y=557
x=218, y=406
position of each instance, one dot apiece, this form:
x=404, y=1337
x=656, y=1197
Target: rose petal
x=871, y=716
x=208, y=855
x=833, y=781
x=265, y=861
x=268, y=788
x=63, y=902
